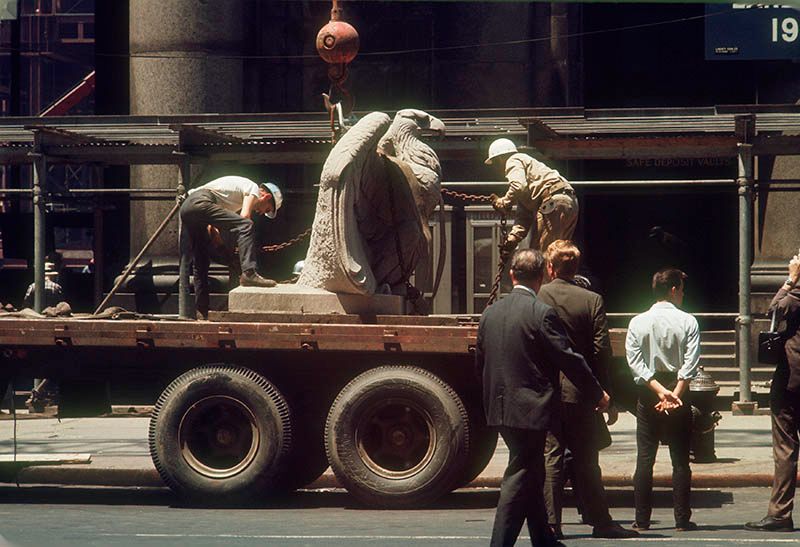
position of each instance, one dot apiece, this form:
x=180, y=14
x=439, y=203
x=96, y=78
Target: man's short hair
x=564, y=256
x=665, y=279
x=528, y=265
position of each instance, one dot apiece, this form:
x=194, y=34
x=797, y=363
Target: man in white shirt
x=227, y=204
x=663, y=350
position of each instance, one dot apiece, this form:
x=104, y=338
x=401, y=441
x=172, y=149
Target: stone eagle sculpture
x=379, y=186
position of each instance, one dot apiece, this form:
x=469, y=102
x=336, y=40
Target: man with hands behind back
x=662, y=347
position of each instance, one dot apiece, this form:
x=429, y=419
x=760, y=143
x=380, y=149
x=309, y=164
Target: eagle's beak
x=437, y=126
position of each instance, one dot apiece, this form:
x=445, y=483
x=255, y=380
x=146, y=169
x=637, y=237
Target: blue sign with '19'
x=739, y=32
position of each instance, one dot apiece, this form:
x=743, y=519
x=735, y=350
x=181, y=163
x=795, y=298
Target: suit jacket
x=521, y=347
x=786, y=380
x=584, y=319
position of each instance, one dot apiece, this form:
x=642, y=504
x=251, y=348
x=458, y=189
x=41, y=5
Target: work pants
x=521, y=491
x=577, y=431
x=785, y=445
x=556, y=219
x=651, y=428
x=198, y=211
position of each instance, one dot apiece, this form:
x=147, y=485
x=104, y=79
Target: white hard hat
x=277, y=197
x=499, y=148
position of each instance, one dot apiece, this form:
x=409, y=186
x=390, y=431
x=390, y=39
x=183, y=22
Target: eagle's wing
x=337, y=259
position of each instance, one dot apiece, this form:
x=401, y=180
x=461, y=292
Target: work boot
x=251, y=278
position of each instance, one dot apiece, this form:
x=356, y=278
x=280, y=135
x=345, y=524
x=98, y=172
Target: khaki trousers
x=556, y=219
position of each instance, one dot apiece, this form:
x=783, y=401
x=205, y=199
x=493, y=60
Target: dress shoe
x=556, y=531
x=640, y=526
x=201, y=316
x=251, y=278
x=685, y=527
x=613, y=531
x=771, y=524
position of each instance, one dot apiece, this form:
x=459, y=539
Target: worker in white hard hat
x=227, y=205
x=546, y=203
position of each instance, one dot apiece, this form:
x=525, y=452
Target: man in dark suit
x=581, y=429
x=521, y=347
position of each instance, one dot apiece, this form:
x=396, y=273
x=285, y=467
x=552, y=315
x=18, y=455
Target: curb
x=144, y=478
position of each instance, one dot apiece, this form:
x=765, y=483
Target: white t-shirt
x=230, y=190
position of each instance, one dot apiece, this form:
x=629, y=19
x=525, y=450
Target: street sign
x=741, y=32
x=8, y=9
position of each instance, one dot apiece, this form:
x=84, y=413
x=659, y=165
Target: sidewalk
x=120, y=455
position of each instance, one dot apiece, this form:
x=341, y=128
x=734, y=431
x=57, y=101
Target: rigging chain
x=280, y=246
x=501, y=266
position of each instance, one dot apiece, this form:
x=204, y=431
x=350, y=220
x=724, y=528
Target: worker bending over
x=227, y=204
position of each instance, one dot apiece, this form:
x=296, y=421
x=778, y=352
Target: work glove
x=502, y=205
x=507, y=249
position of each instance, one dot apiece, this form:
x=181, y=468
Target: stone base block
x=744, y=408
x=300, y=299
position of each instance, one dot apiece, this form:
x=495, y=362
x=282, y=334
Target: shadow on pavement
x=305, y=499
x=623, y=497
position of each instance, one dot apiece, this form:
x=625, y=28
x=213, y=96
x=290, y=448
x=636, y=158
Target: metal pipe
x=170, y=191
x=612, y=183
x=29, y=191
x=184, y=179
x=744, y=320
x=39, y=183
x=707, y=315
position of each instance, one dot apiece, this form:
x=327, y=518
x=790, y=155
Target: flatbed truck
x=260, y=404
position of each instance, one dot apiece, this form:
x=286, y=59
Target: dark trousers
x=578, y=432
x=521, y=491
x=785, y=446
x=651, y=428
x=198, y=211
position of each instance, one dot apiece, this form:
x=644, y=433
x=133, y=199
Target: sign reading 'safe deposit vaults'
x=741, y=32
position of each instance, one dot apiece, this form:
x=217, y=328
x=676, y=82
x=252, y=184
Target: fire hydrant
x=702, y=394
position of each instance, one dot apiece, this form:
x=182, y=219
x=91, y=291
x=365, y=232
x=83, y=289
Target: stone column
x=178, y=66
x=776, y=237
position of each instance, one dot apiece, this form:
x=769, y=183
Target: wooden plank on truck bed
x=332, y=318
x=213, y=335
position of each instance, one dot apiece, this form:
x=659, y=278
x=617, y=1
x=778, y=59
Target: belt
x=560, y=187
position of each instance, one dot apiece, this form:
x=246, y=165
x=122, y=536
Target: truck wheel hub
x=219, y=436
x=395, y=439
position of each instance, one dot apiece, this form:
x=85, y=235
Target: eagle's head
x=402, y=141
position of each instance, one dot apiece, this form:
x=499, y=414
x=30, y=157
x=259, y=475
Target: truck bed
x=439, y=335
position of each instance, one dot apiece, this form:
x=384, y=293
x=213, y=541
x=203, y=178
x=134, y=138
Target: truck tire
x=307, y=460
x=482, y=444
x=219, y=435
x=397, y=437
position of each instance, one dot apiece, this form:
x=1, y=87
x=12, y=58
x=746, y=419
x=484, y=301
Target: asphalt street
x=68, y=516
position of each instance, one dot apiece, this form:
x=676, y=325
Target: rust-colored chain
x=468, y=197
x=501, y=264
x=285, y=244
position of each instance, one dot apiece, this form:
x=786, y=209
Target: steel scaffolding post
x=184, y=180
x=744, y=321
x=39, y=241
